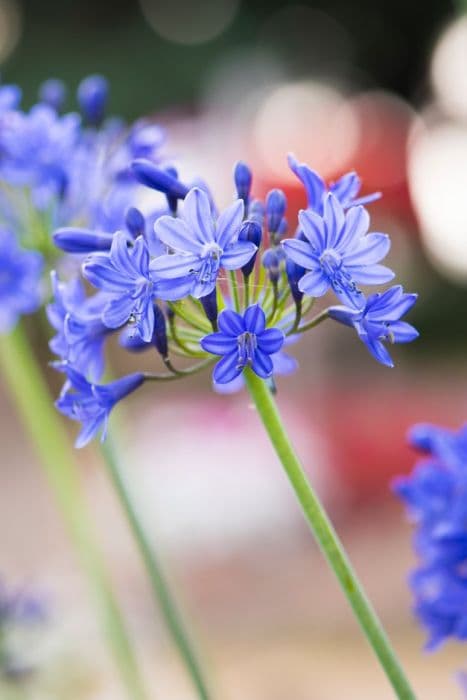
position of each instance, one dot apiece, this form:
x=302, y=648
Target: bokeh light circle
x=187, y=22
x=449, y=69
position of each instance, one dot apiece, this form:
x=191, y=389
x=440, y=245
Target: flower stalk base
x=326, y=536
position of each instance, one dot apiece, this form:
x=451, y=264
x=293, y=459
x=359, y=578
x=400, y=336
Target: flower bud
x=135, y=222
x=158, y=179
x=81, y=240
x=276, y=204
x=209, y=303
x=243, y=178
x=92, y=97
x=250, y=231
x=52, y=92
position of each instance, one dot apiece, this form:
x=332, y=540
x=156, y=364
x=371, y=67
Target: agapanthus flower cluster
x=436, y=498
x=60, y=169
x=230, y=287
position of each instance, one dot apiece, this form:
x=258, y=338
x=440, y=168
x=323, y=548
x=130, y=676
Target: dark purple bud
x=256, y=212
x=135, y=222
x=52, y=92
x=276, y=204
x=81, y=240
x=294, y=275
x=209, y=303
x=92, y=95
x=243, y=178
x=158, y=179
x=250, y=231
x=159, y=338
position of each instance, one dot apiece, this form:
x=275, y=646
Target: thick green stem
x=157, y=580
x=326, y=536
x=34, y=404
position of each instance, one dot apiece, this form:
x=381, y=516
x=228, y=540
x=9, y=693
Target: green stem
x=157, y=580
x=234, y=290
x=319, y=318
x=34, y=403
x=326, y=536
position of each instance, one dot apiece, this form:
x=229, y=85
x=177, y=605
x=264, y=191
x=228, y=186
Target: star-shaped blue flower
x=80, y=332
x=345, y=189
x=243, y=341
x=199, y=246
x=338, y=253
x=124, y=274
x=91, y=404
x=379, y=321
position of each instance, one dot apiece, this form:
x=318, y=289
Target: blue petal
x=229, y=224
x=99, y=271
x=227, y=369
x=219, y=343
x=90, y=430
x=344, y=315
x=375, y=274
x=120, y=255
x=378, y=350
x=254, y=319
x=314, y=185
x=262, y=364
x=173, y=266
x=237, y=255
x=314, y=284
x=403, y=332
x=313, y=228
x=174, y=289
x=370, y=250
x=198, y=216
x=177, y=235
x=334, y=219
x=118, y=311
x=231, y=323
x=270, y=341
x=300, y=252
x=357, y=221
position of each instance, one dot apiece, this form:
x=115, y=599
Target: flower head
x=338, y=253
x=243, y=341
x=80, y=331
x=379, y=321
x=124, y=274
x=436, y=498
x=20, y=277
x=200, y=246
x=91, y=404
x=345, y=189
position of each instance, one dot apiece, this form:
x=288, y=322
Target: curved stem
x=319, y=318
x=158, y=583
x=35, y=406
x=326, y=536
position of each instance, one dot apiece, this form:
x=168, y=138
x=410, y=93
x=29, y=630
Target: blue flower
x=200, y=247
x=283, y=364
x=124, y=274
x=80, y=331
x=379, y=321
x=243, y=341
x=91, y=404
x=345, y=189
x=337, y=253
x=37, y=151
x=436, y=498
x=20, y=277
